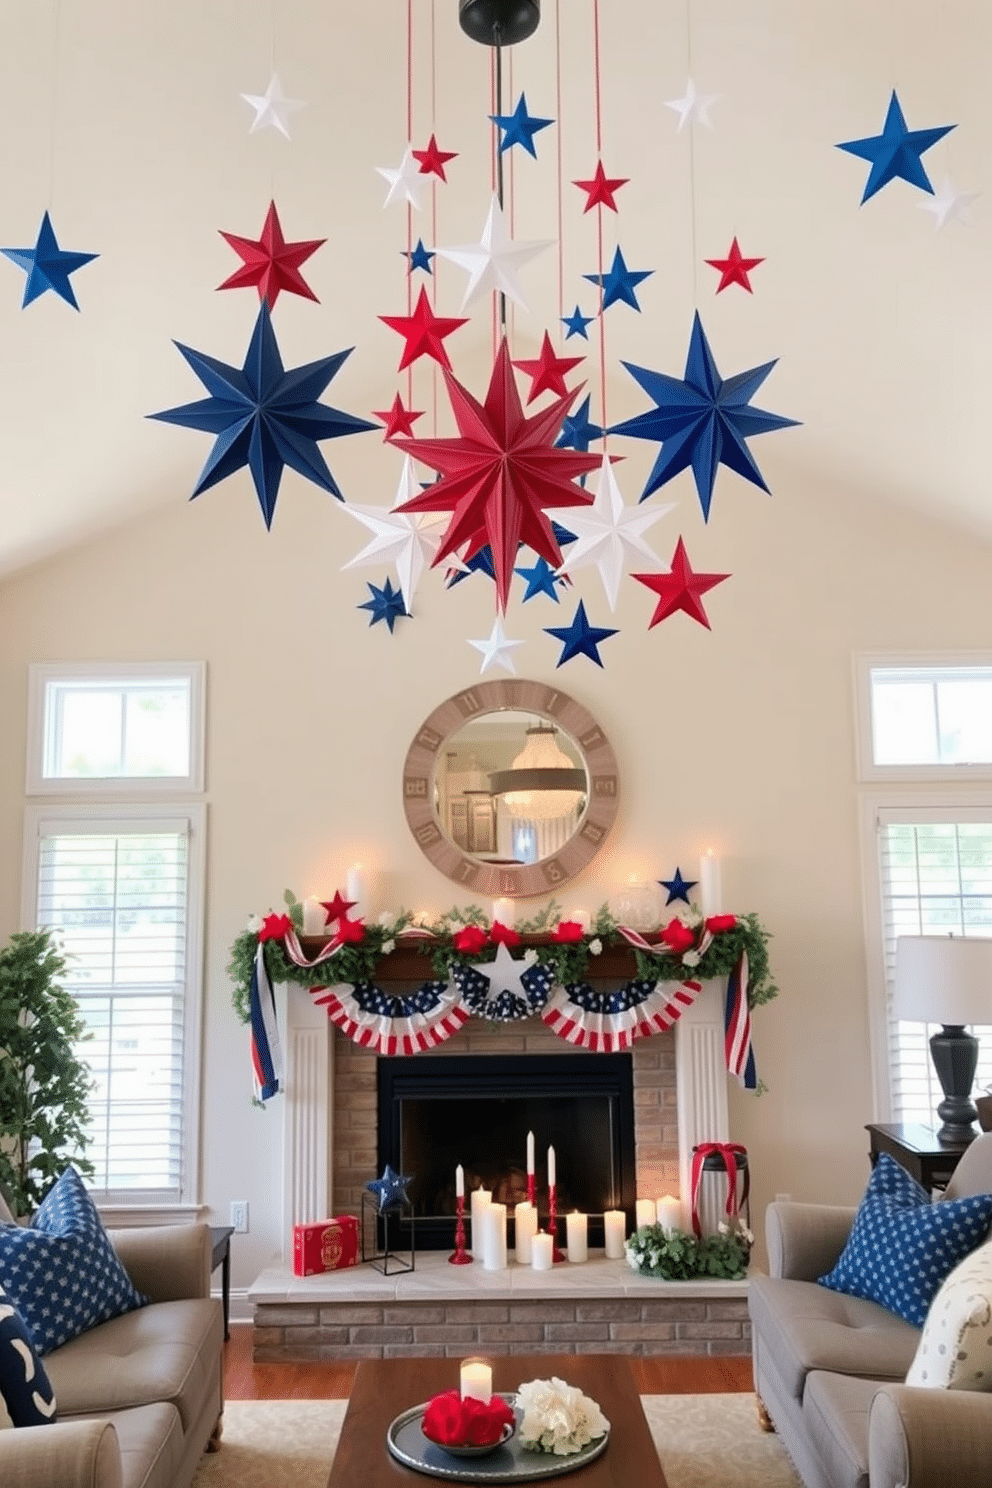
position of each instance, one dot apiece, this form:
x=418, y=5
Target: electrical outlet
x=239, y=1216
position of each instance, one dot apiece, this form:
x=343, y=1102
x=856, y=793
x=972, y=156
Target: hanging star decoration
x=419, y=257
x=735, y=268
x=384, y=604
x=541, y=579
x=264, y=417
x=610, y=533
x=47, y=266
x=336, y=908
x=404, y=180
x=580, y=638
x=423, y=332
x=496, y=650
x=272, y=108
x=681, y=589
x=702, y=420
x=480, y=562
x=896, y=152
x=949, y=205
x=398, y=419
x=620, y=282
x=269, y=262
x=501, y=475
x=396, y=537
x=575, y=324
x=519, y=128
x=601, y=189
x=547, y=371
x=577, y=431
x=390, y=1190
x=432, y=160
x=494, y=262
x=677, y=887
x=693, y=107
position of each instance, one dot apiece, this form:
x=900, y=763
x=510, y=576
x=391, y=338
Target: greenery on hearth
x=678, y=1256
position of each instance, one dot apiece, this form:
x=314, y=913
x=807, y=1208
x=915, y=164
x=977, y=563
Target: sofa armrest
x=929, y=1438
x=169, y=1263
x=65, y=1454
x=805, y=1240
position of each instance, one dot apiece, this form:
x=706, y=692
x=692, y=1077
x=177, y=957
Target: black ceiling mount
x=499, y=23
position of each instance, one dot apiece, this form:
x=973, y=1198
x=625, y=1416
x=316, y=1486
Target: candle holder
x=556, y=1254
x=460, y=1256
x=532, y=1189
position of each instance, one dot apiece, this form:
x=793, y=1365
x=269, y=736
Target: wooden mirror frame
x=499, y=880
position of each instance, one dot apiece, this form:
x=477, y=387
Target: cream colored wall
x=741, y=738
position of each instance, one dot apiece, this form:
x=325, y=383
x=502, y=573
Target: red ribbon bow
x=729, y=1153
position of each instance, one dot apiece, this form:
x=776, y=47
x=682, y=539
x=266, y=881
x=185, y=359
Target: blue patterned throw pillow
x=26, y=1394
x=902, y=1246
x=62, y=1271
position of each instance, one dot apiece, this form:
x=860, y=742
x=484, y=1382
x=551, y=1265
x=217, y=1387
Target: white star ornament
x=610, y=532
x=493, y=263
x=272, y=108
x=693, y=108
x=497, y=650
x=504, y=973
x=405, y=539
x=405, y=181
x=949, y=205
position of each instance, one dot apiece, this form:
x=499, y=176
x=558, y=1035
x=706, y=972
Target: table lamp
x=947, y=979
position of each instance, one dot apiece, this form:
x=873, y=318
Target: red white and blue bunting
x=394, y=1025
x=607, y=1021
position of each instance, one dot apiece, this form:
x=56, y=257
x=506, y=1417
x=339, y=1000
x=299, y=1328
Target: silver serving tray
x=508, y=1463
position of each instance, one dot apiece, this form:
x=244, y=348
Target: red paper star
x=734, y=268
x=336, y=908
x=681, y=589
x=432, y=160
x=547, y=373
x=271, y=262
x=398, y=419
x=423, y=332
x=500, y=475
x=601, y=189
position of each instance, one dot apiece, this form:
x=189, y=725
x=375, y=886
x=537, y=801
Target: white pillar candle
x=459, y=1182
x=355, y=888
x=670, y=1214
x=476, y=1380
x=524, y=1229
x=530, y=1152
x=314, y=916
x=503, y=911
x=577, y=1233
x=494, y=1238
x=647, y=1212
x=580, y=917
x=552, y=1175
x=614, y=1233
x=541, y=1257
x=481, y=1199
x=710, y=896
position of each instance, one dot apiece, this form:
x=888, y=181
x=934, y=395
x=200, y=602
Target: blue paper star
x=576, y=430
x=420, y=257
x=480, y=562
x=562, y=535
x=576, y=324
x=47, y=265
x=701, y=420
x=896, y=151
x=520, y=127
x=386, y=604
x=264, y=417
x=620, y=282
x=390, y=1189
x=677, y=887
x=580, y=638
x=541, y=579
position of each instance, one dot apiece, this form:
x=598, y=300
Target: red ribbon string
x=729, y=1152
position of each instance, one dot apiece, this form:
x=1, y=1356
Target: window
x=924, y=718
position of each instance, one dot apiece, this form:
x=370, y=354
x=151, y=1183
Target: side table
x=220, y=1235
x=917, y=1148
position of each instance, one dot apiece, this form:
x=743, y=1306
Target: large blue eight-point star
x=47, y=265
x=677, y=887
x=896, y=151
x=264, y=417
x=619, y=282
x=580, y=638
x=390, y=1189
x=701, y=420
x=520, y=127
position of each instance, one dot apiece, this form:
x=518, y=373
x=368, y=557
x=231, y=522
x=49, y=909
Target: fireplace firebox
x=435, y=1113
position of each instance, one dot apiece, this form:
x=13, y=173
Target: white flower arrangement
x=596, y=947
x=558, y=1418
x=388, y=947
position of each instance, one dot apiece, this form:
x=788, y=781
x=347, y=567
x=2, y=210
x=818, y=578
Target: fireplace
x=436, y=1112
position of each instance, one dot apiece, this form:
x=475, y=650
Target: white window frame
x=130, y=786
x=908, y=774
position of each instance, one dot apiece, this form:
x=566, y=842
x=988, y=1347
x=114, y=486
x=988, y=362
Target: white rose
x=691, y=958
x=388, y=947
x=595, y=947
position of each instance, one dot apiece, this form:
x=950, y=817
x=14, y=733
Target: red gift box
x=328, y=1245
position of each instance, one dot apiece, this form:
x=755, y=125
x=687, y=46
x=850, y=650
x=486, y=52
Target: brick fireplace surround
x=329, y=1129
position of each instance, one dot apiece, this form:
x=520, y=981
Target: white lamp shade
x=943, y=979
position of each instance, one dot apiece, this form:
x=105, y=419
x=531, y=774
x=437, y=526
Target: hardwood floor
x=245, y=1380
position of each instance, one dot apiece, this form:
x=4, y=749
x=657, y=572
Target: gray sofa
x=139, y=1397
x=828, y=1368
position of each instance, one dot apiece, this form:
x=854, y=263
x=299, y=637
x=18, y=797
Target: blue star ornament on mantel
x=47, y=266
x=264, y=417
x=896, y=152
x=677, y=887
x=385, y=604
x=701, y=420
x=390, y=1190
x=580, y=638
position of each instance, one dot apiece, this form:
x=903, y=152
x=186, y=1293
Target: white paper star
x=272, y=108
x=694, y=108
x=406, y=539
x=405, y=181
x=949, y=205
x=496, y=651
x=493, y=262
x=609, y=531
x=503, y=974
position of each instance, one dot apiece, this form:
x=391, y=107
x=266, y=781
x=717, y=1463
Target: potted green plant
x=43, y=1082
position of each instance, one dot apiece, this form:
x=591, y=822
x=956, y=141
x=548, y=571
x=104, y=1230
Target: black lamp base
x=955, y=1056
x=499, y=22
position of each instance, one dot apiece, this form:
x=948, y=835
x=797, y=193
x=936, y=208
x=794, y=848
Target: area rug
x=703, y=1441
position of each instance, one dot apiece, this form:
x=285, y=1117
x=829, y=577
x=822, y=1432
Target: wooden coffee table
x=384, y=1387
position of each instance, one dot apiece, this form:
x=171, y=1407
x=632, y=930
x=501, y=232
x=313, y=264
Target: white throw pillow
x=955, y=1351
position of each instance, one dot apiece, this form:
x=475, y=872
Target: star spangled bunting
x=269, y=262
x=47, y=266
x=505, y=989
x=897, y=152
x=266, y=1050
x=737, y=1027
x=394, y=1025
x=609, y=1021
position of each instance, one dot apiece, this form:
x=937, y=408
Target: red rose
x=349, y=932
x=275, y=927
x=453, y=1422
x=443, y=1419
x=470, y=940
x=568, y=931
x=677, y=936
x=502, y=934
x=716, y=923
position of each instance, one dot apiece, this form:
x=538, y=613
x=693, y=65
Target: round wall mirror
x=510, y=788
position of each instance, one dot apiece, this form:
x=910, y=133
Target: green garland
x=678, y=1256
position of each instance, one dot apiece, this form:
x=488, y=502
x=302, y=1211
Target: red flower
x=349, y=932
x=454, y=1422
x=502, y=934
x=677, y=936
x=275, y=927
x=568, y=931
x=470, y=939
x=716, y=923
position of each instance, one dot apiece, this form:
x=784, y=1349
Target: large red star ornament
x=336, y=908
x=681, y=589
x=547, y=373
x=423, y=332
x=432, y=160
x=734, y=268
x=398, y=419
x=601, y=189
x=501, y=475
x=271, y=262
